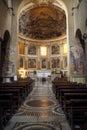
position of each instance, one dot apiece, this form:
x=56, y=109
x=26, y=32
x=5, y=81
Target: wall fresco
x=42, y=22
x=77, y=57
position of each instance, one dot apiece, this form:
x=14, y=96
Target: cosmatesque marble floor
x=40, y=111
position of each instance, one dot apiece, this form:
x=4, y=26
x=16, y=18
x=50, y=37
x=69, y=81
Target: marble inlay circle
x=40, y=103
x=58, y=110
x=35, y=127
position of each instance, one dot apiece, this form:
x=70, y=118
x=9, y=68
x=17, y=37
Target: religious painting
x=77, y=60
x=32, y=50
x=77, y=55
x=21, y=62
x=44, y=64
x=32, y=63
x=41, y=26
x=55, y=50
x=65, y=62
x=55, y=62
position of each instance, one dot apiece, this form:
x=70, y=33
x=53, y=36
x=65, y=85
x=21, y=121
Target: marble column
x=8, y=65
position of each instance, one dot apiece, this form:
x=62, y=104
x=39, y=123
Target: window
x=65, y=50
x=21, y=48
x=43, y=51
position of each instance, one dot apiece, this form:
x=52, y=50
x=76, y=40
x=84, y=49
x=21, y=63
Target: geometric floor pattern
x=40, y=111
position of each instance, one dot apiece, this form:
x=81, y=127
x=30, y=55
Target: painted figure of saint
x=77, y=54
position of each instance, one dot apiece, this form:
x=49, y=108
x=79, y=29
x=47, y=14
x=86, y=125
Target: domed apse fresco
x=42, y=22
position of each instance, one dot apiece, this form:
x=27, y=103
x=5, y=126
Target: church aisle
x=40, y=111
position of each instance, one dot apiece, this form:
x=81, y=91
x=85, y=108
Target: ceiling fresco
x=42, y=22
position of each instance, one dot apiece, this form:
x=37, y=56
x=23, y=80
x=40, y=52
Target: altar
x=43, y=73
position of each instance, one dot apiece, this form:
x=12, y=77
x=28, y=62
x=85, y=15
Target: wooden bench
x=76, y=111
x=70, y=90
x=6, y=108
x=3, y=118
x=69, y=96
x=16, y=96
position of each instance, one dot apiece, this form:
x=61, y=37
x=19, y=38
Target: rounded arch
x=25, y=4
x=29, y=4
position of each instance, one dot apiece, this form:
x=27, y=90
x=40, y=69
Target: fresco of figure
x=77, y=54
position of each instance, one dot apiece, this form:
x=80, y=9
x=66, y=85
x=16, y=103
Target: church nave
x=40, y=111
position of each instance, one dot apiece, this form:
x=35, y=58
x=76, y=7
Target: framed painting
x=55, y=62
x=32, y=50
x=32, y=63
x=44, y=63
x=55, y=50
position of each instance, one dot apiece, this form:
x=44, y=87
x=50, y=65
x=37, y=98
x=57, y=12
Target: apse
x=42, y=21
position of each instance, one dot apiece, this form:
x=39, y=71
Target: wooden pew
x=69, y=96
x=76, y=111
x=3, y=119
x=22, y=88
x=16, y=95
x=68, y=86
x=6, y=108
x=70, y=90
x=73, y=96
x=16, y=91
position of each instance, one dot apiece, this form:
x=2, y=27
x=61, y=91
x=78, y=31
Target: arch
x=5, y=43
x=28, y=4
x=6, y=36
x=25, y=4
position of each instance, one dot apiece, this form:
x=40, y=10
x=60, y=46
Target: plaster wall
x=81, y=17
